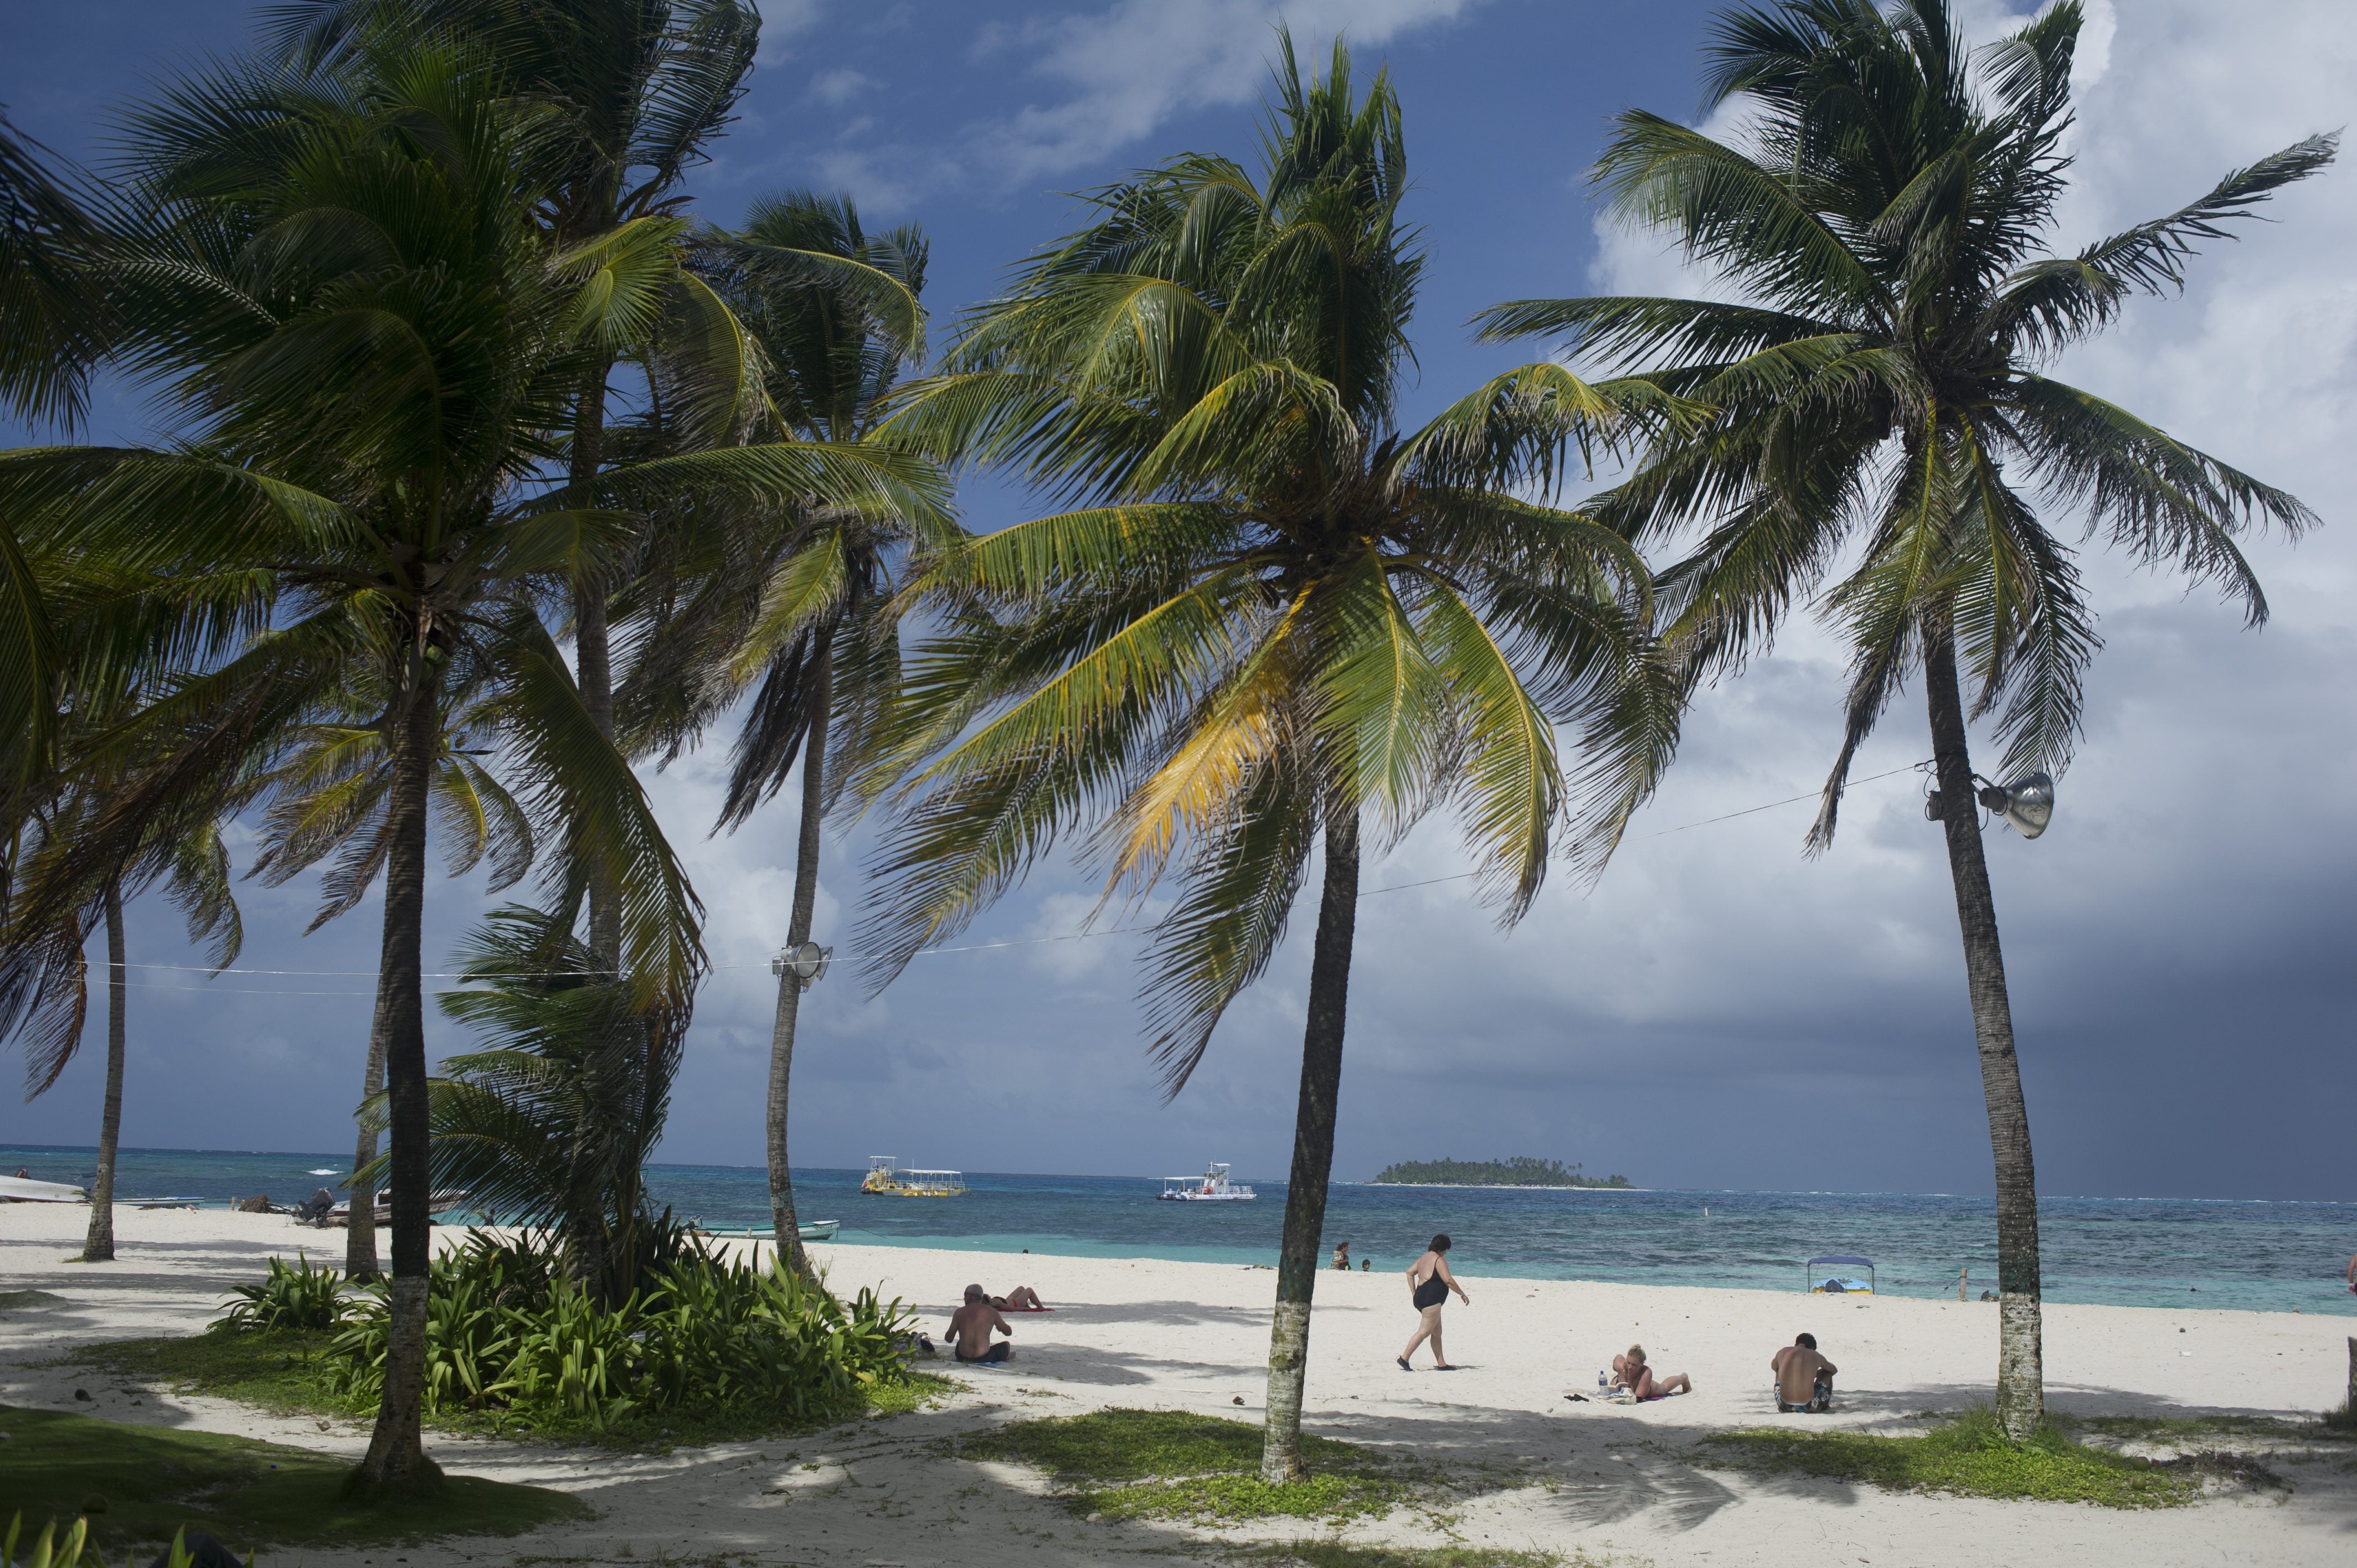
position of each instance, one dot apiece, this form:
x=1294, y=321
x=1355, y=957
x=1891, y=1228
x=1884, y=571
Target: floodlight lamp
x=806, y=962
x=2027, y=802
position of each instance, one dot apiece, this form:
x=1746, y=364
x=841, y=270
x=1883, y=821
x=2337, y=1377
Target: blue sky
x=1716, y=1011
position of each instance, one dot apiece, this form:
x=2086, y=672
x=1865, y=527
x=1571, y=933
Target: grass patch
x=922, y=1390
x=1342, y=1554
x=1970, y=1457
x=12, y=1299
x=1140, y=1444
x=275, y=1371
x=2205, y=1429
x=139, y=1484
x=282, y=1371
x=1234, y=1500
x=1166, y=1463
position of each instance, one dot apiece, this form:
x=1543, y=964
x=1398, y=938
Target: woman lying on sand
x=1429, y=1283
x=1630, y=1372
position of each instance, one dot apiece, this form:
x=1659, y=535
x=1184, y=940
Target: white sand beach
x=1615, y=1482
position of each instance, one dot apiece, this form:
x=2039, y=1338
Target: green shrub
x=508, y=1333
x=299, y=1297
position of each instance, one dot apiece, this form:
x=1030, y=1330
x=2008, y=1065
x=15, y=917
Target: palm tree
x=1274, y=621
x=797, y=599
x=1883, y=389
x=638, y=88
x=44, y=991
x=373, y=347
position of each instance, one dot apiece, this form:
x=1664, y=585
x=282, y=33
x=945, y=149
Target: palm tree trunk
x=593, y=653
x=397, y=1457
x=99, y=1246
x=790, y=989
x=360, y=1234
x=2020, y=1372
x=593, y=660
x=1313, y=1148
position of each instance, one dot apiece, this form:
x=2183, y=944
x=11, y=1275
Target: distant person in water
x=1429, y=1283
x=1366, y=1263
x=970, y=1327
x=1342, y=1255
x=2352, y=1266
x=1022, y=1298
x=1804, y=1379
x=1631, y=1373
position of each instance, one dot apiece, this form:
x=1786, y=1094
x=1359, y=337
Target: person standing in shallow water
x=1429, y=1283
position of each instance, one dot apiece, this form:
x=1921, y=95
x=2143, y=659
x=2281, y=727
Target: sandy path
x=1605, y=1480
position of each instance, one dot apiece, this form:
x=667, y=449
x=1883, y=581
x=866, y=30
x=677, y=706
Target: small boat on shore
x=811, y=1230
x=24, y=1189
x=887, y=1179
x=1211, y=1186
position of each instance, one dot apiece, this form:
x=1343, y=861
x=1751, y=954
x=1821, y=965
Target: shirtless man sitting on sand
x=1804, y=1379
x=970, y=1327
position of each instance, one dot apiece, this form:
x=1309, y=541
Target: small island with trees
x=1522, y=1170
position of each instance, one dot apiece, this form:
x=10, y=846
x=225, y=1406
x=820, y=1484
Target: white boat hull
x=23, y=1189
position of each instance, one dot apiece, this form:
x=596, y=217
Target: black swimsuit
x=1432, y=1291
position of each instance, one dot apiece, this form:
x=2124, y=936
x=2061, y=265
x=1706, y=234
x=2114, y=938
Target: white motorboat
x=24, y=1189
x=1211, y=1186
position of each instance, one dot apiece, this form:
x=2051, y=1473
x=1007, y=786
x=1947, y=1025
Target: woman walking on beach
x=1430, y=1282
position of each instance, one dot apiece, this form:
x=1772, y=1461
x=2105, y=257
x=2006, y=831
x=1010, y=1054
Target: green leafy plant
x=299, y=1297
x=510, y=1335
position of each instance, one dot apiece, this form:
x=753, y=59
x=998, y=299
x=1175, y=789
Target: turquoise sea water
x=2126, y=1251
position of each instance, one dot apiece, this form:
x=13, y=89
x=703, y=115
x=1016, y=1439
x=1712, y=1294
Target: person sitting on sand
x=1804, y=1379
x=970, y=1327
x=1631, y=1373
x=1429, y=1283
x=1022, y=1298
x=1342, y=1255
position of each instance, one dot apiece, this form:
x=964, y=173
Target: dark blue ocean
x=2126, y=1251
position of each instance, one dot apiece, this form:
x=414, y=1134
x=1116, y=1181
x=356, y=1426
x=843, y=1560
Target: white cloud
x=1111, y=77
x=1139, y=62
x=836, y=87
x=783, y=21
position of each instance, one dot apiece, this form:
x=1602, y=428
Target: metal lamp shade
x=2028, y=804
x=808, y=961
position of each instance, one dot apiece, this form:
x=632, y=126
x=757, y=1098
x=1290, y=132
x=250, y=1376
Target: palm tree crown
x=1274, y=608
x=1888, y=221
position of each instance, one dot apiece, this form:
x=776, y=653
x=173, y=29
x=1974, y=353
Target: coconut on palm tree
x=371, y=347
x=1881, y=401
x=1274, y=625
x=792, y=604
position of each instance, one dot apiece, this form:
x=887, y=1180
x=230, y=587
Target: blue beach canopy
x=1861, y=1262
